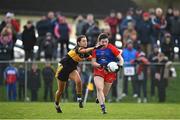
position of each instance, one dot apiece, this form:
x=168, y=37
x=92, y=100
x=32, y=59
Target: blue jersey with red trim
x=105, y=55
x=10, y=74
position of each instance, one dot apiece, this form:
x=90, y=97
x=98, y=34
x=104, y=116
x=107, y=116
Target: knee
x=78, y=82
x=59, y=92
x=99, y=89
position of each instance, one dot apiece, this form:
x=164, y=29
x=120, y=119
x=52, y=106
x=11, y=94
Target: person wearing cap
x=144, y=33
x=103, y=78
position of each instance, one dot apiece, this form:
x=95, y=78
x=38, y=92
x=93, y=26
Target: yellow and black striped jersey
x=74, y=57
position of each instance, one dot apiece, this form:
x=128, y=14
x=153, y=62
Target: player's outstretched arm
x=86, y=50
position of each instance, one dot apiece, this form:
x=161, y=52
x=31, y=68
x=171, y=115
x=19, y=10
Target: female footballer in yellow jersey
x=67, y=68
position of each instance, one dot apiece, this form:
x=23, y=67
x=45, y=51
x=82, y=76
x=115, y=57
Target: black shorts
x=63, y=71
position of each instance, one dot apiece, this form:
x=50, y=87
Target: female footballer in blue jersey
x=68, y=69
x=103, y=79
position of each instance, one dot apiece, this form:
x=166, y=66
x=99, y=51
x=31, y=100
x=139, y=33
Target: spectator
x=175, y=28
x=93, y=33
x=89, y=22
x=34, y=82
x=10, y=20
x=6, y=47
x=124, y=24
x=141, y=69
x=112, y=21
x=52, y=21
x=159, y=24
x=138, y=16
x=43, y=26
x=154, y=53
x=29, y=40
x=49, y=46
x=10, y=76
x=6, y=44
x=162, y=63
x=144, y=33
x=48, y=77
x=169, y=15
x=62, y=31
x=130, y=34
x=129, y=54
x=80, y=22
x=167, y=46
x=21, y=82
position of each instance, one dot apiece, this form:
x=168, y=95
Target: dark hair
x=29, y=22
x=79, y=38
x=102, y=36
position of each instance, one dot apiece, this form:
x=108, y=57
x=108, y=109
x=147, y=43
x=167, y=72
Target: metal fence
x=89, y=92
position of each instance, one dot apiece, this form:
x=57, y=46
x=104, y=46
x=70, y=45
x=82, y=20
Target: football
x=112, y=67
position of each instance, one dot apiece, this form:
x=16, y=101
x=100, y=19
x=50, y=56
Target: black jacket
x=34, y=80
x=48, y=75
x=6, y=51
x=28, y=38
x=175, y=26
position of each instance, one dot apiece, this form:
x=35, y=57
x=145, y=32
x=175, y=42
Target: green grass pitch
x=42, y=110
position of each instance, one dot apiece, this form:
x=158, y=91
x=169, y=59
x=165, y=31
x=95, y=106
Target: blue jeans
x=11, y=91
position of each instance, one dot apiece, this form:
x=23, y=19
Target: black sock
x=57, y=103
x=79, y=95
x=103, y=107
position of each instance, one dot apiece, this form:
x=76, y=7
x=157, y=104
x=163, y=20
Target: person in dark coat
x=6, y=44
x=144, y=33
x=29, y=39
x=141, y=70
x=80, y=22
x=6, y=49
x=43, y=26
x=21, y=82
x=34, y=82
x=153, y=68
x=161, y=61
x=48, y=77
x=93, y=33
x=175, y=28
x=62, y=31
x=49, y=46
x=167, y=47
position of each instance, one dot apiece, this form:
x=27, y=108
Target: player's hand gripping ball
x=113, y=67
